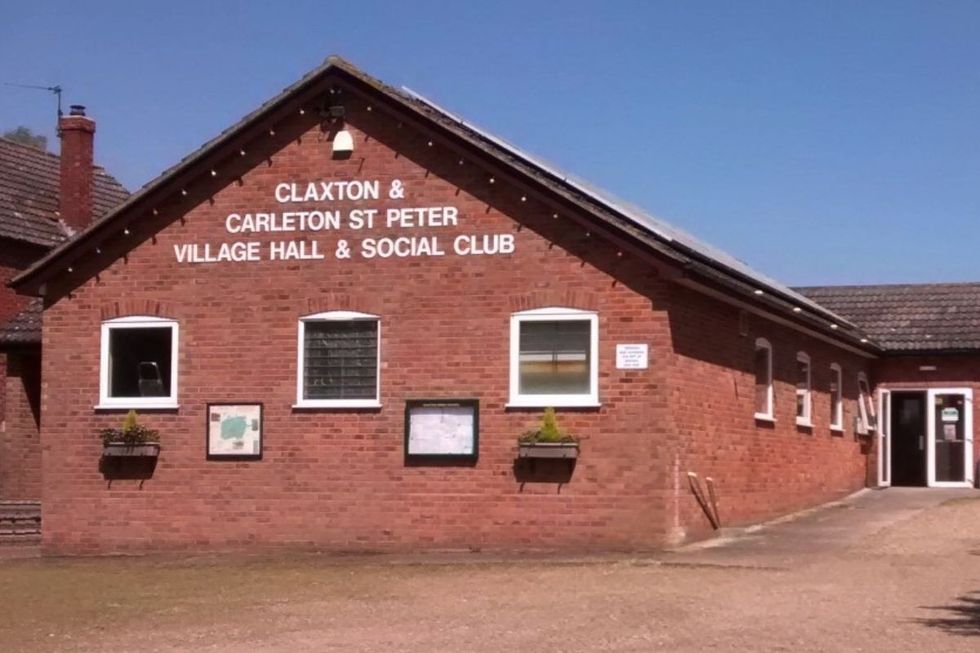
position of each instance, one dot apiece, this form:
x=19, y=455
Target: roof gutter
x=623, y=232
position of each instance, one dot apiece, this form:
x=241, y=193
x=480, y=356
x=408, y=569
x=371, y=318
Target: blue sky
x=821, y=142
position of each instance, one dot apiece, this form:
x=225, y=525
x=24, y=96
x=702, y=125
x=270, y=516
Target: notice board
x=442, y=428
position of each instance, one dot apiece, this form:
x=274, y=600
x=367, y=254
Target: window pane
x=803, y=375
x=340, y=360
x=867, y=403
x=139, y=362
x=762, y=380
x=554, y=357
x=836, y=419
x=803, y=389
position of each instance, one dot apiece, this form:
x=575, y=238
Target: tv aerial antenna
x=36, y=87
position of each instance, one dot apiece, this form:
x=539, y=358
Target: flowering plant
x=131, y=433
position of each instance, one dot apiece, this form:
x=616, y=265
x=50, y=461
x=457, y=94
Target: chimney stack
x=77, y=162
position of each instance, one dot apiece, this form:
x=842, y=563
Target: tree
x=25, y=136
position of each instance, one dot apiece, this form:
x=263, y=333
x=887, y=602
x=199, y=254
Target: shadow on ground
x=960, y=618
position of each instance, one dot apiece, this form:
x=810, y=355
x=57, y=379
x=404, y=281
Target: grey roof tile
x=909, y=317
x=25, y=327
x=29, y=186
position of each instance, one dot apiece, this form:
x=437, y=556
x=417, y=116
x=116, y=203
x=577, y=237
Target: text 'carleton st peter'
x=320, y=216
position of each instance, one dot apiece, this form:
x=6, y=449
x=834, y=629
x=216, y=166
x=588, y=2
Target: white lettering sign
x=632, y=357
x=328, y=219
x=327, y=191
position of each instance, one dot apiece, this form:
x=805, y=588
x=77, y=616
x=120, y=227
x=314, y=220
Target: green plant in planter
x=548, y=432
x=131, y=433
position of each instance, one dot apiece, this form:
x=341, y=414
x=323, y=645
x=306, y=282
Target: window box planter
x=133, y=440
x=125, y=450
x=562, y=450
x=548, y=441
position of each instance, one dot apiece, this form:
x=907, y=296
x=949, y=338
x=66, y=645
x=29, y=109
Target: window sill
x=763, y=417
x=837, y=430
x=553, y=403
x=315, y=405
x=804, y=423
x=136, y=406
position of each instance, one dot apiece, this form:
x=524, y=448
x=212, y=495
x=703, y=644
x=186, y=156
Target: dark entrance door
x=909, y=438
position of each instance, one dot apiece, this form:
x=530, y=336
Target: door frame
x=967, y=435
x=885, y=434
x=884, y=437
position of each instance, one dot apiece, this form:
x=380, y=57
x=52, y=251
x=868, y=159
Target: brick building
x=44, y=199
x=342, y=312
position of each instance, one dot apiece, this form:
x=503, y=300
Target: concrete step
x=20, y=522
x=20, y=508
x=19, y=539
x=20, y=525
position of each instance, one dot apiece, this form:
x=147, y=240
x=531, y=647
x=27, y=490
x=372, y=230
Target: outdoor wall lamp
x=343, y=142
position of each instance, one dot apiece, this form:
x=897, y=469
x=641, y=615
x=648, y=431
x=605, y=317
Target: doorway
x=926, y=437
x=908, y=435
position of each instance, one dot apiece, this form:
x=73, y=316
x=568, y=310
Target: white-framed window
x=554, y=358
x=836, y=398
x=867, y=417
x=338, y=360
x=762, y=364
x=804, y=393
x=138, y=363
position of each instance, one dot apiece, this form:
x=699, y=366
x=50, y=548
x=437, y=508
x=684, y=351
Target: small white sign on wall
x=632, y=357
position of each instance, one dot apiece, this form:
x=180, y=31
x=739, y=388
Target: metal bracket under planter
x=566, y=450
x=121, y=449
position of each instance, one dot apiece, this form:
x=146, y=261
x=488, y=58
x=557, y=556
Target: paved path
x=887, y=571
x=831, y=529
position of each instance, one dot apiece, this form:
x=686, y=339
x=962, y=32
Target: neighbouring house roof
x=907, y=318
x=25, y=327
x=709, y=267
x=29, y=185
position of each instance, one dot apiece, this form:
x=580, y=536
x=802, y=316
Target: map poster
x=442, y=428
x=234, y=431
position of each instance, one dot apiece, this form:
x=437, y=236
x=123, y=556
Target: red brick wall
x=20, y=449
x=760, y=469
x=337, y=479
x=951, y=371
x=14, y=257
x=20, y=453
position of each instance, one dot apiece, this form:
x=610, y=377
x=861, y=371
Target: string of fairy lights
x=334, y=111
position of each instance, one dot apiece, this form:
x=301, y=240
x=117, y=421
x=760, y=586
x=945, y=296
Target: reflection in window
x=554, y=357
x=763, y=379
x=804, y=399
x=836, y=398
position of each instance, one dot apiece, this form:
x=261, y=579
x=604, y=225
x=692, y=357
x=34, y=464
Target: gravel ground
x=854, y=577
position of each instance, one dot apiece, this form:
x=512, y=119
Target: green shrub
x=131, y=433
x=548, y=432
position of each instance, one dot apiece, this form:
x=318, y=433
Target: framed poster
x=442, y=428
x=234, y=431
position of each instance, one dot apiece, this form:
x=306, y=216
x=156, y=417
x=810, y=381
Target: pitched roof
x=664, y=230
x=909, y=317
x=29, y=186
x=25, y=327
x=614, y=218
